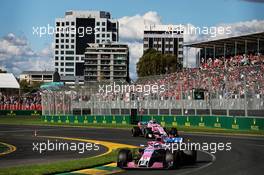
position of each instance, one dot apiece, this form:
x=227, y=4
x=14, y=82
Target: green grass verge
x=61, y=166
x=31, y=120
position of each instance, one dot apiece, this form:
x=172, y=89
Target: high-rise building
x=73, y=34
x=167, y=39
x=107, y=61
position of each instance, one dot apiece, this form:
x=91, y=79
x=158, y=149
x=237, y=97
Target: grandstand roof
x=8, y=80
x=250, y=38
x=38, y=72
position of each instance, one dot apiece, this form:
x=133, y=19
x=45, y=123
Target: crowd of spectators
x=222, y=77
x=16, y=102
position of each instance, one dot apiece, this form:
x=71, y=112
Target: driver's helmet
x=152, y=122
x=173, y=133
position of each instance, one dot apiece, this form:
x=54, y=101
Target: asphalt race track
x=245, y=157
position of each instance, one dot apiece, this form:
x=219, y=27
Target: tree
x=27, y=87
x=156, y=63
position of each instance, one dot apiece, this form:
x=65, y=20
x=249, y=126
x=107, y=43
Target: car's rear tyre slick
x=172, y=160
x=191, y=156
x=135, y=131
x=148, y=133
x=124, y=156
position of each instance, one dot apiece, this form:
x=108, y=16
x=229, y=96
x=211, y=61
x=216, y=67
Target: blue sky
x=20, y=16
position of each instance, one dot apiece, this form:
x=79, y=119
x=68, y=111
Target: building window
x=72, y=40
x=108, y=35
x=62, y=52
x=98, y=23
x=57, y=41
x=72, y=46
x=62, y=40
x=72, y=35
x=62, y=46
x=56, y=46
x=69, y=52
x=56, y=63
x=72, y=23
x=62, y=70
x=56, y=58
x=69, y=58
x=103, y=29
x=180, y=39
x=98, y=35
x=57, y=24
x=62, y=35
x=103, y=35
x=97, y=41
x=67, y=41
x=62, y=24
x=62, y=58
x=56, y=52
x=69, y=64
x=69, y=70
x=67, y=46
x=67, y=23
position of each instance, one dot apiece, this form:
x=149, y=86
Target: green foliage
x=27, y=87
x=156, y=63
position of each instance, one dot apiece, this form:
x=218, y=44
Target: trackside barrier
x=88, y=119
x=221, y=122
x=20, y=113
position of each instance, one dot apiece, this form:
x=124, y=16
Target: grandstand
x=229, y=81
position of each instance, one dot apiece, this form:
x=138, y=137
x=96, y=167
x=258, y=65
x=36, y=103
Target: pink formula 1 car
x=156, y=155
x=150, y=129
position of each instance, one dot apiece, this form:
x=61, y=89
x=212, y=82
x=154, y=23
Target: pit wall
x=220, y=122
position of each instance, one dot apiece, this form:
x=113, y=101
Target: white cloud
x=131, y=30
x=131, y=27
x=16, y=55
x=135, y=51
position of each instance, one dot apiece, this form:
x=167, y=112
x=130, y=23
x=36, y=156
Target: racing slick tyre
x=172, y=160
x=124, y=156
x=135, y=131
x=148, y=133
x=191, y=156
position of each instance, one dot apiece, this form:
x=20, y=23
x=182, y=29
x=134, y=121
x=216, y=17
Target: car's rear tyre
x=124, y=156
x=135, y=131
x=172, y=160
x=148, y=133
x=191, y=156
